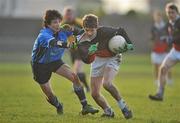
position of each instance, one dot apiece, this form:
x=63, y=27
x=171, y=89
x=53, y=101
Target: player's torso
x=174, y=31
x=102, y=39
x=160, y=43
x=48, y=54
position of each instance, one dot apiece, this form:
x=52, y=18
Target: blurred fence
x=17, y=35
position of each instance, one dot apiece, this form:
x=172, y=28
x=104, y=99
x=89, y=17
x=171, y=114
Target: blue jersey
x=43, y=52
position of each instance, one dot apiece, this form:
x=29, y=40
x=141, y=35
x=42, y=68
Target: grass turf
x=21, y=100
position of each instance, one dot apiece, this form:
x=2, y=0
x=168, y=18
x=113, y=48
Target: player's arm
x=152, y=37
x=176, y=35
x=87, y=51
x=60, y=44
x=109, y=31
x=121, y=31
x=71, y=39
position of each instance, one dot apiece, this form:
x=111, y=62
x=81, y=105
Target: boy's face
x=171, y=14
x=157, y=17
x=90, y=31
x=54, y=25
x=69, y=16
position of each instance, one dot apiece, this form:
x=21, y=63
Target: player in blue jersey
x=47, y=52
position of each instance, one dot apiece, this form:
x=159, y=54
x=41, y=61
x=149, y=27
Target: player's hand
x=73, y=45
x=129, y=46
x=71, y=39
x=126, y=48
x=120, y=50
x=66, y=27
x=92, y=49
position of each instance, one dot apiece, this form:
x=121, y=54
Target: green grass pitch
x=21, y=100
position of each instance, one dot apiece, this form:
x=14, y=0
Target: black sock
x=81, y=95
x=82, y=78
x=54, y=101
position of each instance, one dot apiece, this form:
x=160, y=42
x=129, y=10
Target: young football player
x=93, y=47
x=160, y=44
x=47, y=52
x=173, y=56
x=76, y=25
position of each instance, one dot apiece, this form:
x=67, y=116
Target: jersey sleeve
x=121, y=31
x=110, y=32
x=176, y=35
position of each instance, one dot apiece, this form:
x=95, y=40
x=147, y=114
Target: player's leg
x=156, y=69
x=109, y=74
x=169, y=78
x=78, y=64
x=77, y=67
x=42, y=75
x=66, y=72
x=156, y=61
x=51, y=98
x=164, y=68
x=96, y=83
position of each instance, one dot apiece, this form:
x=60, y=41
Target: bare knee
x=107, y=85
x=95, y=94
x=74, y=78
x=163, y=70
x=46, y=88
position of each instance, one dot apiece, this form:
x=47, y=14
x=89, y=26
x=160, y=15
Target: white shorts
x=157, y=58
x=173, y=55
x=97, y=67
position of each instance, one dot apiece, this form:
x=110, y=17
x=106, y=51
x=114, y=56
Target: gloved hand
x=126, y=48
x=66, y=27
x=92, y=49
x=71, y=39
x=129, y=46
x=73, y=45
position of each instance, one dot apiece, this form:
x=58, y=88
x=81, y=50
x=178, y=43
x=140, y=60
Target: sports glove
x=92, y=49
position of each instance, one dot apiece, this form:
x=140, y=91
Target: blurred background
x=21, y=20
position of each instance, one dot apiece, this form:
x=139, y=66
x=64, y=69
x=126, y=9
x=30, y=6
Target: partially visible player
x=76, y=25
x=160, y=45
x=47, y=52
x=93, y=47
x=173, y=56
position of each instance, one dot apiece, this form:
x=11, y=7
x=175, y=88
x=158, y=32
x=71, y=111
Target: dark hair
x=51, y=15
x=172, y=6
x=90, y=21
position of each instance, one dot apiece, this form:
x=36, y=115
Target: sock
x=81, y=95
x=108, y=111
x=54, y=101
x=160, y=91
x=157, y=82
x=121, y=104
x=82, y=78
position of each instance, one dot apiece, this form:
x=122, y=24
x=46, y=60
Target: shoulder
x=106, y=30
x=45, y=32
